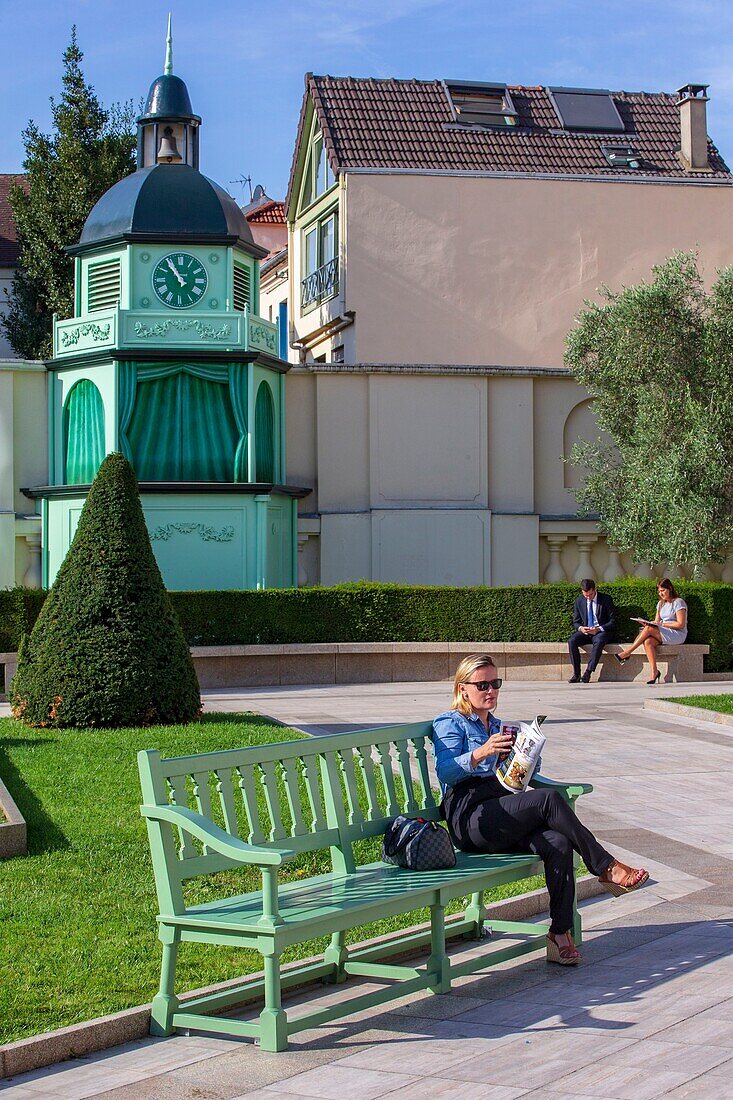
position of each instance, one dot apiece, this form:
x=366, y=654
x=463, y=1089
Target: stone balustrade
x=573, y=549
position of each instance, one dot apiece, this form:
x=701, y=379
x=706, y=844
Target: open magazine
x=518, y=766
x=644, y=622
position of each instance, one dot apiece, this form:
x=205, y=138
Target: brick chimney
x=692, y=103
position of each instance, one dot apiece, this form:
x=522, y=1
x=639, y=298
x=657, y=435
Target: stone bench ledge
x=238, y=666
x=13, y=831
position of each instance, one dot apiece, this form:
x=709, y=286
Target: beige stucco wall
x=273, y=291
x=449, y=478
x=437, y=478
x=23, y=462
x=493, y=271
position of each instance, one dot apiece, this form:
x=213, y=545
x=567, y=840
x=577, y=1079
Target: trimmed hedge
x=367, y=612
x=19, y=609
x=107, y=648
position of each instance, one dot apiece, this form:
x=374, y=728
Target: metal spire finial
x=169, y=50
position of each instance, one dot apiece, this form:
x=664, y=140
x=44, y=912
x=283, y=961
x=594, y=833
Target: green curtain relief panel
x=83, y=433
x=264, y=434
x=185, y=422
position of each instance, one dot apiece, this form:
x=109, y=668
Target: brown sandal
x=634, y=879
x=568, y=955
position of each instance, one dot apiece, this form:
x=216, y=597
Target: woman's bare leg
x=640, y=639
x=650, y=646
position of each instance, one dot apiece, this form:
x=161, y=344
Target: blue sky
x=244, y=62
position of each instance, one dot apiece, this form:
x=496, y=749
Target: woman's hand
x=498, y=743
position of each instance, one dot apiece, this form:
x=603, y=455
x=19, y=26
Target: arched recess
x=265, y=466
x=83, y=433
x=580, y=426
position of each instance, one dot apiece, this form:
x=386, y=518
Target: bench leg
x=475, y=912
x=273, y=1020
x=165, y=1002
x=336, y=954
x=577, y=925
x=438, y=962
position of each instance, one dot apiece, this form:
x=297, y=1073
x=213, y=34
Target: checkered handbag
x=417, y=844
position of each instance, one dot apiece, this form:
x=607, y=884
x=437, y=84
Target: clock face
x=179, y=280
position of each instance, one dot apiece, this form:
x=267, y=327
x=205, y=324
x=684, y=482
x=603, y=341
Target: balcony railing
x=320, y=284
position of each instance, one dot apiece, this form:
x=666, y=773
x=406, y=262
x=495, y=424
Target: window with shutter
x=104, y=285
x=242, y=291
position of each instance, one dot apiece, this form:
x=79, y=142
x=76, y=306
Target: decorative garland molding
x=70, y=337
x=162, y=328
x=207, y=534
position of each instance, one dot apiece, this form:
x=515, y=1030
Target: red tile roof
x=409, y=124
x=8, y=235
x=271, y=212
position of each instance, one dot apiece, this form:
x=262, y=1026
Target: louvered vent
x=104, y=285
x=241, y=288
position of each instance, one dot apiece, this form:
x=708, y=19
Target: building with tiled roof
x=266, y=219
x=413, y=124
x=443, y=236
x=270, y=212
x=9, y=249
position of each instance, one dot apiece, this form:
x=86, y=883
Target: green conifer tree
x=67, y=171
x=107, y=648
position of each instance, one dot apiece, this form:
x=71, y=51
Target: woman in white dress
x=670, y=627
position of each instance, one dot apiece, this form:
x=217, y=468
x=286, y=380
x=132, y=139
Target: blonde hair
x=465, y=670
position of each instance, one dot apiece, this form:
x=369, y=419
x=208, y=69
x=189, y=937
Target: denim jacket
x=455, y=736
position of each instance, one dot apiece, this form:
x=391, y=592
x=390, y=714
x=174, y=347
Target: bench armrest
x=572, y=790
x=214, y=837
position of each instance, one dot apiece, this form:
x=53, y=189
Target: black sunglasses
x=484, y=685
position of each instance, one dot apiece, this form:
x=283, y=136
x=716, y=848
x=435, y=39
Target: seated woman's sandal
x=565, y=955
x=632, y=881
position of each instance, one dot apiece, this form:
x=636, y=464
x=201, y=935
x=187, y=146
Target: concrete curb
x=92, y=1036
x=699, y=714
x=13, y=832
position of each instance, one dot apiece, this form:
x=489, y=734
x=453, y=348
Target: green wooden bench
x=260, y=807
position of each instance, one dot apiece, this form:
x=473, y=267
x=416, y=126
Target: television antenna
x=244, y=181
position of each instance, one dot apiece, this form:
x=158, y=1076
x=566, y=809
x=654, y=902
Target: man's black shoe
x=574, y=680
x=586, y=677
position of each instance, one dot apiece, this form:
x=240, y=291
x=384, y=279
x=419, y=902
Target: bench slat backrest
x=321, y=792
x=372, y=776
x=269, y=795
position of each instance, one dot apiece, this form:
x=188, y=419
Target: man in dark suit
x=594, y=620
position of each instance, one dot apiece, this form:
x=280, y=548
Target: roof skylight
x=586, y=109
x=621, y=156
x=481, y=104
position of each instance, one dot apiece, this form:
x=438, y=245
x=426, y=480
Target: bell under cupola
x=168, y=130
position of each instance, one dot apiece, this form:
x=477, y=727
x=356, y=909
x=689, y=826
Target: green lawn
x=78, y=912
x=722, y=703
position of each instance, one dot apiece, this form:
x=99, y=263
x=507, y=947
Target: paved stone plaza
x=650, y=1013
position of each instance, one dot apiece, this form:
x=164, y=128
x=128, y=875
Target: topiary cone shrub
x=107, y=648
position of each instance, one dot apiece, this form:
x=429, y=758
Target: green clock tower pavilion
x=167, y=361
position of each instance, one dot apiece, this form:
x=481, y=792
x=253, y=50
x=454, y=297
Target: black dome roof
x=168, y=98
x=167, y=202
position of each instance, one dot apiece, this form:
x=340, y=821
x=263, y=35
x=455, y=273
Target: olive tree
x=657, y=359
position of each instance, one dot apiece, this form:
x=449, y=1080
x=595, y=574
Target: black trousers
x=483, y=817
x=597, y=641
